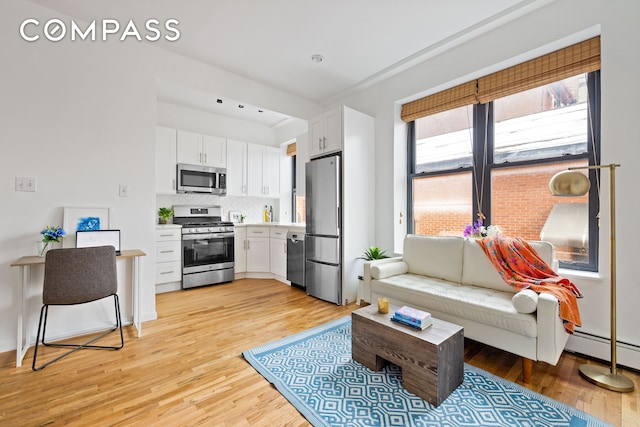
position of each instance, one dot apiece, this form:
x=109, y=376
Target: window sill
x=582, y=275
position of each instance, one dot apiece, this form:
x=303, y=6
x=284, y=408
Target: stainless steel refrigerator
x=323, y=269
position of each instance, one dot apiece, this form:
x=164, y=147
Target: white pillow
x=388, y=269
x=525, y=301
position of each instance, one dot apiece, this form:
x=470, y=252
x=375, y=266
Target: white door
x=271, y=172
x=258, y=254
x=215, y=151
x=240, y=250
x=189, y=147
x=236, y=168
x=255, y=186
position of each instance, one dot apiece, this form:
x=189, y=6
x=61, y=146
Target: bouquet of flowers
x=478, y=231
x=51, y=234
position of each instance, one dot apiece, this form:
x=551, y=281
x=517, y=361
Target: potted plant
x=165, y=214
x=372, y=253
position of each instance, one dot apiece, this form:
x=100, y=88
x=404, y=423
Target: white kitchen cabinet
x=258, y=249
x=325, y=133
x=165, y=160
x=168, y=258
x=263, y=171
x=240, y=250
x=197, y=149
x=278, y=251
x=236, y=168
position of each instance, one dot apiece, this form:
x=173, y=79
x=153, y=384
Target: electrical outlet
x=26, y=184
x=123, y=190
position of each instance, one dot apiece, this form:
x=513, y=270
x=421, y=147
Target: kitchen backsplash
x=251, y=207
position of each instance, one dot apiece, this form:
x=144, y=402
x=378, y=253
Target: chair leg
x=43, y=311
x=76, y=347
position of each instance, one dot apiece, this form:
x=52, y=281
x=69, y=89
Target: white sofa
x=452, y=278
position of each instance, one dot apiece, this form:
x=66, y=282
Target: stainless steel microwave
x=201, y=179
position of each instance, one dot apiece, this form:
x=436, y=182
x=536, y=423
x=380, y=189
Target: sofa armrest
x=366, y=277
x=552, y=337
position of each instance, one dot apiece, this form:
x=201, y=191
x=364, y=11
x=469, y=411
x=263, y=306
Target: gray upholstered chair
x=77, y=276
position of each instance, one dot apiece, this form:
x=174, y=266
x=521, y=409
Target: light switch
x=26, y=184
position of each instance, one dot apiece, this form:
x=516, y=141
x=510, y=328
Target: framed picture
x=234, y=216
x=83, y=219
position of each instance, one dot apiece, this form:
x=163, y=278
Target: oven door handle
x=206, y=236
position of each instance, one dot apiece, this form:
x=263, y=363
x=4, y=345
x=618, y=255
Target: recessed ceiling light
x=317, y=57
x=260, y=111
x=219, y=101
x=240, y=106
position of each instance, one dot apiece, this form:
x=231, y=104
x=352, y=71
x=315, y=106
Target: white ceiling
x=272, y=41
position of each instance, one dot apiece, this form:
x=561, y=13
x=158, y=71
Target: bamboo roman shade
x=291, y=149
x=449, y=99
x=579, y=58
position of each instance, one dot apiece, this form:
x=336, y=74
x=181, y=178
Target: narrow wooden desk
x=26, y=262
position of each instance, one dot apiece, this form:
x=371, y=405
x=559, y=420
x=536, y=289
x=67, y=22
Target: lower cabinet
x=240, y=250
x=258, y=249
x=168, y=258
x=261, y=252
x=278, y=252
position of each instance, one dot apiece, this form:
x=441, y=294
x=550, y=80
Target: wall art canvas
x=83, y=219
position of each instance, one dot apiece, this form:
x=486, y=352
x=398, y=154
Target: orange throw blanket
x=520, y=266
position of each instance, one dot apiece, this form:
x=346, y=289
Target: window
x=496, y=159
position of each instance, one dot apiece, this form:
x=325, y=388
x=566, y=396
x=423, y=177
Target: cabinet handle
x=173, y=184
x=248, y=244
x=166, y=252
x=324, y=142
x=166, y=272
x=205, y=157
x=199, y=157
x=320, y=143
x=166, y=235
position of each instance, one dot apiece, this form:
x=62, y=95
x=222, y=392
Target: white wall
x=77, y=119
x=81, y=118
x=556, y=25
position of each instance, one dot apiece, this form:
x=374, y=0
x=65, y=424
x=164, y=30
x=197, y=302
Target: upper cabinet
x=236, y=168
x=196, y=149
x=263, y=171
x=325, y=133
x=165, y=160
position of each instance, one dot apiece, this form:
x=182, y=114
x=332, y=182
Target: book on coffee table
x=412, y=317
x=422, y=326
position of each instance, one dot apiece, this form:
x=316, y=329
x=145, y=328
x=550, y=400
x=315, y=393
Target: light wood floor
x=187, y=369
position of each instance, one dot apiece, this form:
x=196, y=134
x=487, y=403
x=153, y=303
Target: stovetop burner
x=201, y=219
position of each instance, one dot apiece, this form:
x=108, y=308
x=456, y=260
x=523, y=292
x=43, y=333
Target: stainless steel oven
x=207, y=246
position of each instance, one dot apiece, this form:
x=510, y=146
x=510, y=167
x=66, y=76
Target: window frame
x=592, y=155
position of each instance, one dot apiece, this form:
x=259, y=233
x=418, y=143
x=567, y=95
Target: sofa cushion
x=381, y=271
x=525, y=301
x=481, y=305
x=434, y=256
x=477, y=270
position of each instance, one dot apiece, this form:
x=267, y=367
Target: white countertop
x=161, y=226
x=295, y=225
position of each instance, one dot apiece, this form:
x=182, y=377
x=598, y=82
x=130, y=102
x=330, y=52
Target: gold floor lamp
x=572, y=183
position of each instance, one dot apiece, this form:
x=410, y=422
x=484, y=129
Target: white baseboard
x=600, y=348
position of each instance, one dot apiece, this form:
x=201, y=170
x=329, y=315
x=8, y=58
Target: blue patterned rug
x=315, y=372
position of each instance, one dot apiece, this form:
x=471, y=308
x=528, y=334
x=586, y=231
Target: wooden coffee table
x=432, y=360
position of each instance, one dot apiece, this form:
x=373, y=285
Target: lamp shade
x=569, y=183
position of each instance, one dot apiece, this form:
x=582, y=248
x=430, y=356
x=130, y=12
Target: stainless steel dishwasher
x=295, y=258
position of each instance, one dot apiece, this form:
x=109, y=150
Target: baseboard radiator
x=597, y=347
